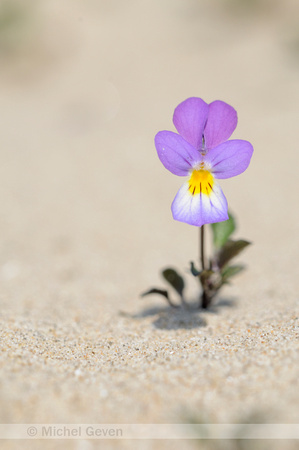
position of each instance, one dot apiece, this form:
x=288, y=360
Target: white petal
x=199, y=209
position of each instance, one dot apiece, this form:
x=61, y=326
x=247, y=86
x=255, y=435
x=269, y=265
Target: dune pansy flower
x=202, y=152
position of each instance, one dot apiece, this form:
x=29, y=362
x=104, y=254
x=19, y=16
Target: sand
x=85, y=222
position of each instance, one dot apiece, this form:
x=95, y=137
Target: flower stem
x=202, y=248
x=204, y=300
x=204, y=296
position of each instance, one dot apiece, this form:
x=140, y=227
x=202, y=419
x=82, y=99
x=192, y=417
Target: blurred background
x=85, y=220
x=84, y=88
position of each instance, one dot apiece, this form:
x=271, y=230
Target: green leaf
x=205, y=276
x=231, y=271
x=174, y=279
x=230, y=250
x=193, y=269
x=155, y=291
x=162, y=292
x=222, y=231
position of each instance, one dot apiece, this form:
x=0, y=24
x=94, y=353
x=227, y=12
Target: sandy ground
x=85, y=221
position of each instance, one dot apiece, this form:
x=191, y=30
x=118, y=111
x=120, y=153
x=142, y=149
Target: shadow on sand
x=183, y=317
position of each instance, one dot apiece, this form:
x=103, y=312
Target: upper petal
x=230, y=158
x=199, y=209
x=190, y=118
x=222, y=121
x=176, y=154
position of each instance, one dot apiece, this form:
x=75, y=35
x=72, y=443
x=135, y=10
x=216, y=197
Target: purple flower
x=202, y=152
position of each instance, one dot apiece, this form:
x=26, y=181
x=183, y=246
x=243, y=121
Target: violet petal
x=190, y=118
x=222, y=121
x=230, y=158
x=199, y=209
x=176, y=154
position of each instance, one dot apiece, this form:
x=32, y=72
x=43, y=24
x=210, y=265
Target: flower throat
x=201, y=182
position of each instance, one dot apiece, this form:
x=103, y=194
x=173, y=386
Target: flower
x=202, y=151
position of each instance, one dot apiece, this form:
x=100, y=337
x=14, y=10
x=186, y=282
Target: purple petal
x=229, y=159
x=175, y=153
x=190, y=118
x=222, y=121
x=199, y=209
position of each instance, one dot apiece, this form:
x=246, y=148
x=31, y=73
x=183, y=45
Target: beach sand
x=86, y=226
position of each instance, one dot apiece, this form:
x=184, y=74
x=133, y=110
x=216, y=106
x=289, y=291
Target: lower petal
x=199, y=209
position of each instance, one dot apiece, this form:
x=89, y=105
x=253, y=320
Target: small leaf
x=205, y=275
x=155, y=291
x=222, y=231
x=230, y=250
x=193, y=269
x=231, y=271
x=174, y=279
x=162, y=292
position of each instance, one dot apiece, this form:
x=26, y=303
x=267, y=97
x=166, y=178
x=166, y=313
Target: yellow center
x=201, y=182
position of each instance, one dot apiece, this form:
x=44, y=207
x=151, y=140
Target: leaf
x=193, y=269
x=230, y=250
x=231, y=271
x=222, y=231
x=162, y=292
x=205, y=276
x=174, y=279
x=155, y=291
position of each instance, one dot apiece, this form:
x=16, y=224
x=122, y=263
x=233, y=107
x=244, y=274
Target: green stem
x=202, y=249
x=204, y=296
x=204, y=300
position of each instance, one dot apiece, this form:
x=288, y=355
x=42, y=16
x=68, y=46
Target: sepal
x=193, y=269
